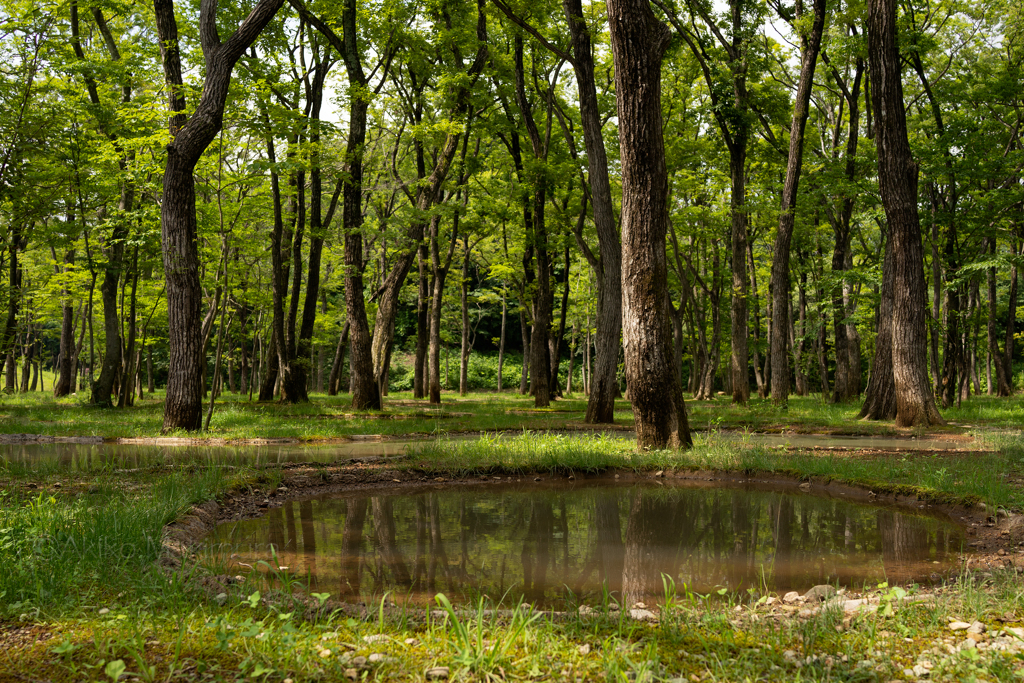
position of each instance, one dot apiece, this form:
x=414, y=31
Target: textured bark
x=780, y=286
x=190, y=138
x=602, y=386
x=638, y=42
x=897, y=177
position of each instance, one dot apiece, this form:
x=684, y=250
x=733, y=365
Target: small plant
x=476, y=654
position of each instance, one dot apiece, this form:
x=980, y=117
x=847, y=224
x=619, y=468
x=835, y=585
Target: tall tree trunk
x=65, y=383
x=780, y=286
x=422, y=327
x=995, y=355
x=183, y=406
x=638, y=42
x=337, y=367
x=897, y=178
x=603, y=384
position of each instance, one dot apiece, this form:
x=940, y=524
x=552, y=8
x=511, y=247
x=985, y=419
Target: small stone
x=437, y=673
x=352, y=674
x=325, y=653
x=976, y=637
x=376, y=658
x=791, y=597
x=376, y=638
x=977, y=627
x=1019, y=632
x=968, y=644
x=585, y=610
x=104, y=611
x=642, y=615
x=639, y=605
x=909, y=673
x=584, y=649
x=358, y=662
x=789, y=655
x=920, y=671
x=820, y=593
x=771, y=600
x=959, y=626
x=659, y=473
x=805, y=486
x=221, y=598
x=411, y=641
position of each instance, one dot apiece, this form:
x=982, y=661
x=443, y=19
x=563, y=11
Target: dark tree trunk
x=897, y=177
x=65, y=383
x=996, y=356
x=334, y=381
x=603, y=384
x=466, y=342
x=638, y=43
x=780, y=286
x=183, y=407
x=422, y=327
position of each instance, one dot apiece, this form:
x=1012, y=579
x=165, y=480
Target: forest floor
x=98, y=582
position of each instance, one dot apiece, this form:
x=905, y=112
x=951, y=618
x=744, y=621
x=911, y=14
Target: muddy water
x=509, y=540
x=82, y=457
x=73, y=457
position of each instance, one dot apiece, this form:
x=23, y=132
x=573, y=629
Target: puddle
x=539, y=543
x=84, y=457
x=98, y=457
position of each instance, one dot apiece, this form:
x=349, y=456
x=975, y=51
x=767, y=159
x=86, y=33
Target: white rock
x=437, y=672
x=584, y=649
x=376, y=638
x=643, y=615
x=959, y=626
x=376, y=658
x=791, y=597
x=920, y=671
x=1019, y=632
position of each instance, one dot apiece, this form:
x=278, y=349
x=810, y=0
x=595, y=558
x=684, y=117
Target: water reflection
x=536, y=544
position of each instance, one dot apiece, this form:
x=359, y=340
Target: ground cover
x=83, y=595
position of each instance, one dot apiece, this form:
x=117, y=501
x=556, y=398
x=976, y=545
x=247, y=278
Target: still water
x=538, y=543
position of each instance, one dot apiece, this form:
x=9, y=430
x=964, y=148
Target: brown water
x=79, y=457
x=538, y=543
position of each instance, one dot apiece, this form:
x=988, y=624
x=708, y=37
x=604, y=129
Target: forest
x=274, y=200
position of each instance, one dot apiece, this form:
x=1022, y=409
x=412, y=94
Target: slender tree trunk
x=780, y=285
x=65, y=361
x=603, y=383
x=638, y=42
x=334, y=382
x=465, y=340
x=996, y=357
x=422, y=327
x=501, y=340
x=897, y=175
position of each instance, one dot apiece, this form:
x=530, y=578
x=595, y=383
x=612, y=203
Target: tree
x=897, y=180
x=810, y=45
x=190, y=136
x=639, y=42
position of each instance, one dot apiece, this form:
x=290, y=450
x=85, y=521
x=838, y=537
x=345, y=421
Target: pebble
x=959, y=626
x=584, y=649
x=411, y=641
x=376, y=638
x=436, y=673
x=791, y=597
x=643, y=615
x=376, y=658
x=104, y=611
x=352, y=674
x=820, y=593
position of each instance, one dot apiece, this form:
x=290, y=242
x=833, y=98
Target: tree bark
x=66, y=360
x=780, y=285
x=179, y=231
x=897, y=179
x=638, y=43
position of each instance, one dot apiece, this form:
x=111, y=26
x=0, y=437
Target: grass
x=81, y=597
